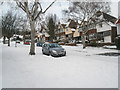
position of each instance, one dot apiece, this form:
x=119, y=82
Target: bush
x=117, y=42
x=92, y=43
x=56, y=41
x=65, y=41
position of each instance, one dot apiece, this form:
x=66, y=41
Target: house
x=42, y=35
x=71, y=28
x=118, y=21
x=106, y=29
x=77, y=35
x=60, y=32
x=91, y=35
x=103, y=31
x=67, y=31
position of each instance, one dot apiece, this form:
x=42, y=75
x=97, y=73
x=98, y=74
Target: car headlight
x=54, y=51
x=64, y=50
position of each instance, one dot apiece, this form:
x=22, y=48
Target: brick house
x=42, y=36
x=71, y=28
x=66, y=31
x=60, y=32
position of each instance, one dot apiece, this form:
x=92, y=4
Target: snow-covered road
x=79, y=69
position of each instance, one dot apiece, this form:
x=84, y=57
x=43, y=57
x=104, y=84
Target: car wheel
x=64, y=54
x=52, y=54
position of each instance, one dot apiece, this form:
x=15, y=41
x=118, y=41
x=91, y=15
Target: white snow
x=79, y=69
x=0, y=64
x=72, y=29
x=111, y=24
x=110, y=47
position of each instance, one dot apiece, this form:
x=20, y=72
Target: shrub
x=65, y=41
x=56, y=41
x=93, y=44
x=117, y=42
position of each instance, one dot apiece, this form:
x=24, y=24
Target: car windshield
x=54, y=46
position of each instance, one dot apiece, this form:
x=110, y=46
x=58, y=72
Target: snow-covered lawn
x=79, y=69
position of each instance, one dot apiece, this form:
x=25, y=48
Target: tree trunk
x=4, y=39
x=24, y=37
x=8, y=41
x=32, y=47
x=83, y=41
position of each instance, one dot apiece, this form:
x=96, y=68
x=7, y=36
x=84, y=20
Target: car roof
x=46, y=43
x=51, y=43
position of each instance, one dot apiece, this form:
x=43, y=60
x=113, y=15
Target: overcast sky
x=60, y=5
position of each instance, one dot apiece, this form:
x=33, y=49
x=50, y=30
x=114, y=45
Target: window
x=67, y=29
x=106, y=33
x=61, y=30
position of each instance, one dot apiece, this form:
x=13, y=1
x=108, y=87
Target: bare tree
x=33, y=10
x=9, y=25
x=87, y=13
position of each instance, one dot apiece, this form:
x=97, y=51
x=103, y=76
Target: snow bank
x=0, y=64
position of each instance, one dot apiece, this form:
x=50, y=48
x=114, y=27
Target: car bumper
x=59, y=54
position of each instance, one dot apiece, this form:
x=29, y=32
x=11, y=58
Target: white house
x=107, y=29
x=118, y=22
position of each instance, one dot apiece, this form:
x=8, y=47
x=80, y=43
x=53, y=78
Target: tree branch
x=19, y=4
x=49, y=6
x=40, y=12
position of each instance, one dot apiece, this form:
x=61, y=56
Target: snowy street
x=78, y=69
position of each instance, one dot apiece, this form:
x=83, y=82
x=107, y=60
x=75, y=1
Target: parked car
x=39, y=44
x=53, y=49
x=61, y=43
x=27, y=42
x=17, y=41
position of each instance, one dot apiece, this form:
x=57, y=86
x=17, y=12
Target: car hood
x=57, y=49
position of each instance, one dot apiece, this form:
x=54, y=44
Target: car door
x=45, y=48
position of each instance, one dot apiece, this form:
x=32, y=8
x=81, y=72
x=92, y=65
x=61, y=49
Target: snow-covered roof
x=111, y=24
x=73, y=29
x=67, y=24
x=39, y=34
x=47, y=35
x=20, y=36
